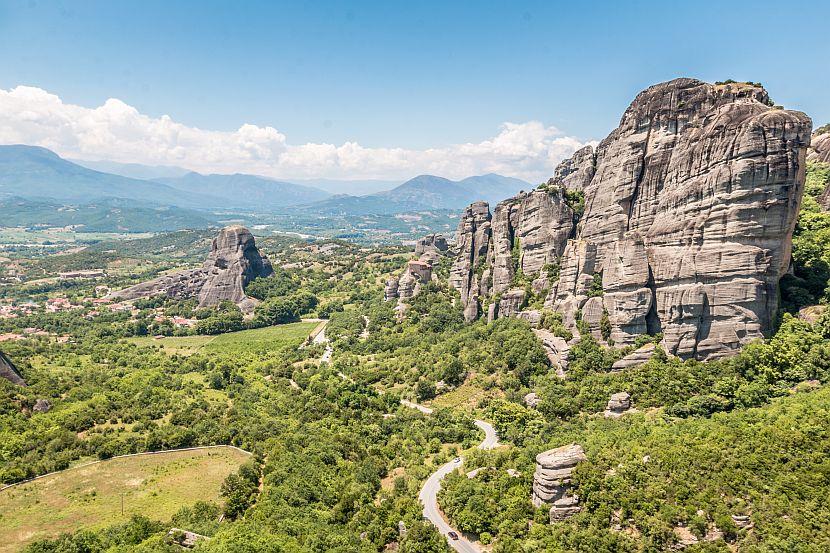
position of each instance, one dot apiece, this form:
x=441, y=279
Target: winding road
x=429, y=492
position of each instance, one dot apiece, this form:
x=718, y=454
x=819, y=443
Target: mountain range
x=37, y=174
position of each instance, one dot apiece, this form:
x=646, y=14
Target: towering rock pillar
x=689, y=217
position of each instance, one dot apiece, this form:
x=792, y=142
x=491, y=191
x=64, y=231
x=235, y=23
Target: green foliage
x=811, y=246
x=595, y=291
x=576, y=201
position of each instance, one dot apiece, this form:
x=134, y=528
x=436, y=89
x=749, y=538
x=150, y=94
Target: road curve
x=429, y=492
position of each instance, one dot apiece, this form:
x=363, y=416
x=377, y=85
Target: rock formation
x=232, y=263
x=42, y=406
x=637, y=357
x=820, y=145
x=524, y=235
x=9, y=371
x=431, y=243
x=552, y=480
x=689, y=208
x=617, y=405
x=820, y=153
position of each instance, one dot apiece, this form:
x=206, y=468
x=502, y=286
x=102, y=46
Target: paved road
x=429, y=492
x=321, y=339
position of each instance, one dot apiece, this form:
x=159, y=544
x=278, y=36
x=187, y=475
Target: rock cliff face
x=820, y=152
x=689, y=208
x=552, y=480
x=523, y=236
x=820, y=146
x=232, y=263
x=9, y=371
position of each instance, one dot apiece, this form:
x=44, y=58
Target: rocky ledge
x=232, y=263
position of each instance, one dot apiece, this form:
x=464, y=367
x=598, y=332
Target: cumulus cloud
x=116, y=131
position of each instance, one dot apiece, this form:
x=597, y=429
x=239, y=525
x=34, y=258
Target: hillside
x=37, y=173
x=245, y=191
x=440, y=193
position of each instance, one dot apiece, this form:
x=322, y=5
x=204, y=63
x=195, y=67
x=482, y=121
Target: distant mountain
x=345, y=205
x=133, y=170
x=350, y=187
x=440, y=193
x=37, y=173
x=246, y=191
x=113, y=215
x=423, y=193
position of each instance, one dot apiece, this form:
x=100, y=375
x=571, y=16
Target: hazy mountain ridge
x=246, y=191
x=37, y=173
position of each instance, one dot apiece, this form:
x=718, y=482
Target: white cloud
x=118, y=132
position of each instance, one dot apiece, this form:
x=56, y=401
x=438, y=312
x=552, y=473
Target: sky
x=377, y=89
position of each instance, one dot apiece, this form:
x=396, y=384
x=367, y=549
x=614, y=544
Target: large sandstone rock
x=689, y=217
x=431, y=243
x=637, y=357
x=552, y=480
x=232, y=263
x=820, y=152
x=575, y=172
x=525, y=233
x=820, y=146
x=9, y=371
x=467, y=274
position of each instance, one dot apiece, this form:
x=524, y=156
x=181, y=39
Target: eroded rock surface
x=820, y=146
x=524, y=236
x=618, y=404
x=552, y=480
x=232, y=263
x=9, y=371
x=637, y=357
x=689, y=217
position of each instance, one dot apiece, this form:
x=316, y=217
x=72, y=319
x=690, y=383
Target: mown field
x=255, y=340
x=90, y=496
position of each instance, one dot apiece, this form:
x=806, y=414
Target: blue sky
x=413, y=75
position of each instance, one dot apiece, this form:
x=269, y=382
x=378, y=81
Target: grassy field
x=256, y=340
x=90, y=497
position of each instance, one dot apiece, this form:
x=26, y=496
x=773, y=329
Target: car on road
x=457, y=460
x=452, y=535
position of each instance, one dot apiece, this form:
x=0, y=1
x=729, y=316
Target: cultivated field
x=256, y=340
x=90, y=496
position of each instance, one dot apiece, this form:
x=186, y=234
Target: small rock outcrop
x=232, y=263
x=556, y=348
x=635, y=358
x=684, y=225
x=552, y=480
x=618, y=405
x=42, y=406
x=532, y=400
x=9, y=371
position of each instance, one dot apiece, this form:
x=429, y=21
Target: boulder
x=556, y=348
x=532, y=316
x=617, y=405
x=635, y=358
x=232, y=263
x=532, y=400
x=820, y=146
x=42, y=406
